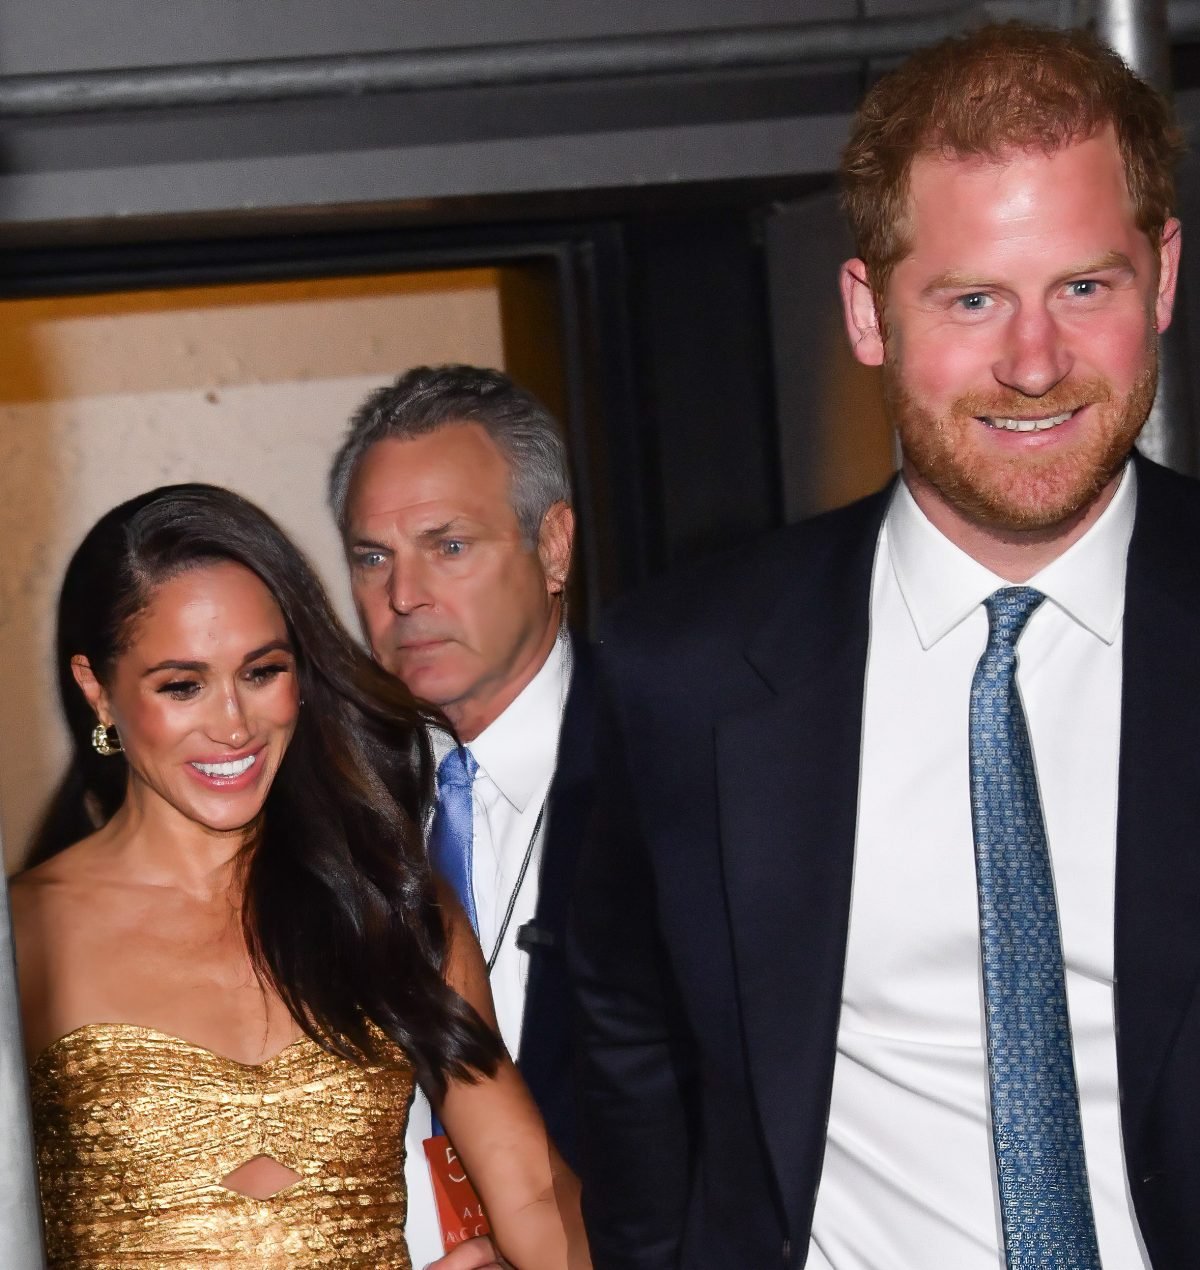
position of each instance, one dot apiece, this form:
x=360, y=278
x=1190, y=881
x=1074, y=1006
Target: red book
x=460, y=1211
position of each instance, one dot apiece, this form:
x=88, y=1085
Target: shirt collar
x=941, y=584
x=518, y=749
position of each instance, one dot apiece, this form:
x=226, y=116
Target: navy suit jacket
x=545, y=1052
x=711, y=918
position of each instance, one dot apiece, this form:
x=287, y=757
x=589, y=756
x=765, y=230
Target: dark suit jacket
x=544, y=1055
x=712, y=912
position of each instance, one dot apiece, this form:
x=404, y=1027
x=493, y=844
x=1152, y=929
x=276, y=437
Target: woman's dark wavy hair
x=341, y=915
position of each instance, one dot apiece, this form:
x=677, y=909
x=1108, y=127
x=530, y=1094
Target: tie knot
x=1008, y=610
x=458, y=768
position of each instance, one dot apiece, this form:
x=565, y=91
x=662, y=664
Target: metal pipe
x=546, y=62
x=565, y=61
x=1138, y=31
x=20, y=1210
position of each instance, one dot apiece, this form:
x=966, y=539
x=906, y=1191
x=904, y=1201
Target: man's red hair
x=1001, y=88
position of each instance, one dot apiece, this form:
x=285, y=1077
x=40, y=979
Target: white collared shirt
x=908, y=1179
x=517, y=754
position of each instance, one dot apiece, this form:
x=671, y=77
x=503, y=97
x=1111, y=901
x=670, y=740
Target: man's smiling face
x=1019, y=344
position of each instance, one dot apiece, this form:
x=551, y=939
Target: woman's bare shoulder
x=56, y=886
x=59, y=926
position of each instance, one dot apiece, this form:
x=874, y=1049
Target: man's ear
x=556, y=537
x=91, y=687
x=1168, y=274
x=862, y=317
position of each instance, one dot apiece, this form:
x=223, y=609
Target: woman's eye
x=180, y=689
x=1084, y=287
x=265, y=674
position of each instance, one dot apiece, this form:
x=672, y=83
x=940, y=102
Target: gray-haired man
x=453, y=497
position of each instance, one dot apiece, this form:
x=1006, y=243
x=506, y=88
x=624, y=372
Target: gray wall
x=395, y=150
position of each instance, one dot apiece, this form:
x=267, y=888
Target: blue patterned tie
x=1045, y=1206
x=450, y=837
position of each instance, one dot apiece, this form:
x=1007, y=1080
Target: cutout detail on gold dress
x=260, y=1178
x=137, y=1131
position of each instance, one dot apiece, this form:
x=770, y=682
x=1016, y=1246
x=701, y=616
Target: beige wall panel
x=249, y=387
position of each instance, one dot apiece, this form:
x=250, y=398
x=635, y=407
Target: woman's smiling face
x=205, y=696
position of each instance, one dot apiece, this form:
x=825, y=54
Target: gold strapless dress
x=135, y=1130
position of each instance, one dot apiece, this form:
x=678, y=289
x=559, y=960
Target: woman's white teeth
x=1030, y=425
x=234, y=768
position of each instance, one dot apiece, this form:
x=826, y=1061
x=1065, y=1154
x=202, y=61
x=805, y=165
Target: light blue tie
x=451, y=836
x=1045, y=1206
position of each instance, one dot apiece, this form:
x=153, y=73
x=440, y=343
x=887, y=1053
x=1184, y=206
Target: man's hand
x=474, y=1254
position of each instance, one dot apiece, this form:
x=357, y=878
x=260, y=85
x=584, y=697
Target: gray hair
x=430, y=397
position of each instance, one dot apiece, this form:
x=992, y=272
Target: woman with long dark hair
x=234, y=958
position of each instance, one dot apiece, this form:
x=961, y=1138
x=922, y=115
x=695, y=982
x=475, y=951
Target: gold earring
x=105, y=740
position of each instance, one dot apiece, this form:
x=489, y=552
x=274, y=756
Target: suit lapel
x=787, y=777
x=567, y=811
x=787, y=774
x=544, y=1056
x=1157, y=940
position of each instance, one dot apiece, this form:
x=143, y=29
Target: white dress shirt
x=517, y=754
x=909, y=1177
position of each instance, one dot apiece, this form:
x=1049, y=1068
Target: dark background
x=684, y=226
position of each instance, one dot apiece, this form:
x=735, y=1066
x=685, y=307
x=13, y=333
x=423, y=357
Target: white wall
x=245, y=386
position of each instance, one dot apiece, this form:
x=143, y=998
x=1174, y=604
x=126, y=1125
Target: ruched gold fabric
x=135, y=1130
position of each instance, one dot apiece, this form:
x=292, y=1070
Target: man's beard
x=1037, y=490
